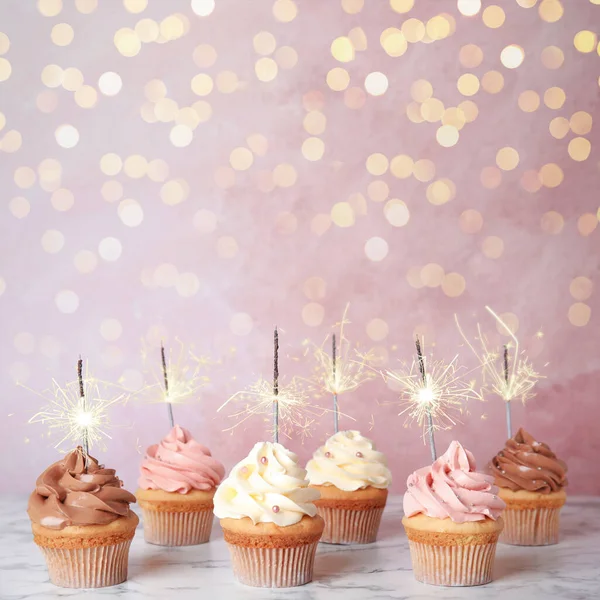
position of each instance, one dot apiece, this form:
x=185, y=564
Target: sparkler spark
x=517, y=379
x=434, y=400
x=295, y=410
x=74, y=421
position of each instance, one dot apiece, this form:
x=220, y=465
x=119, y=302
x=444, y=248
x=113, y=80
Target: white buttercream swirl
x=268, y=487
x=350, y=462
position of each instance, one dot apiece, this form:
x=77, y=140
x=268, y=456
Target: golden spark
x=435, y=400
x=295, y=409
x=511, y=380
x=73, y=420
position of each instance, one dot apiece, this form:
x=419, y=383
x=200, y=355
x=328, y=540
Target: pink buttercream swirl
x=180, y=464
x=451, y=488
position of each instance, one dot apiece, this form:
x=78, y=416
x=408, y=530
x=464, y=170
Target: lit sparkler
x=287, y=404
x=433, y=392
x=343, y=370
x=507, y=373
x=78, y=412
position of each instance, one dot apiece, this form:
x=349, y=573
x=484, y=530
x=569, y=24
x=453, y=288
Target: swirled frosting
x=268, y=486
x=451, y=488
x=350, y=462
x=526, y=464
x=180, y=464
x=67, y=493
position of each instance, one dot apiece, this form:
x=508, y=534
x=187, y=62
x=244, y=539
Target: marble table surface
x=569, y=570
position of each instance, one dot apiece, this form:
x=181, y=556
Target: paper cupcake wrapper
x=530, y=526
x=177, y=528
x=273, y=567
x=95, y=567
x=350, y=526
x=452, y=565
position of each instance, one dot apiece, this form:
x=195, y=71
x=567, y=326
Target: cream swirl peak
x=526, y=464
x=350, y=462
x=451, y=488
x=67, y=493
x=268, y=486
x=180, y=464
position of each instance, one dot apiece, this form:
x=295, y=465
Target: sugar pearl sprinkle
x=264, y=460
x=276, y=509
x=359, y=455
x=328, y=455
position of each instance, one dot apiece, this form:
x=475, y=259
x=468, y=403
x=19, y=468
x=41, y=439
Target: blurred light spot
x=432, y=110
x=421, y=90
x=512, y=56
x=46, y=101
x=110, y=83
x=312, y=314
x=85, y=261
x=552, y=222
x=529, y=101
x=378, y=190
x=49, y=8
x=286, y=223
x=202, y=84
x=579, y=149
x=468, y=84
x=396, y=212
x=507, y=158
x=130, y=212
x=401, y=166
x=203, y=8
x=62, y=34
x=284, y=10
x=579, y=314
x=19, y=207
x=136, y=6
x=342, y=49
x=110, y=249
x=493, y=16
x=165, y=275
x=227, y=247
x=24, y=177
x=581, y=122
x=490, y=177
x=432, y=275
x=66, y=301
x=52, y=76
x=284, y=175
x=585, y=41
x=551, y=175
x=266, y=69
x=469, y=7
x=135, y=166
x=338, y=79
x=377, y=164
x=4, y=43
x=413, y=30
x=62, y=199
x=158, y=170
x=394, y=43
x=127, y=42
x=225, y=177
x=24, y=342
x=342, y=214
x=424, y=170
x=552, y=57
x=154, y=90
x=313, y=148
x=320, y=224
x=314, y=288
x=377, y=329
x=67, y=136
x=2, y=286
x=111, y=329
x=187, y=285
x=181, y=136
x=453, y=285
x=554, y=97
x=471, y=221
x=112, y=190
x=587, y=223
x=402, y=6
x=376, y=83
x=470, y=56
x=53, y=241
x=531, y=181
x=376, y=249
x=315, y=122
x=227, y=82
x=174, y=192
x=241, y=159
x=493, y=247
x=286, y=57
x=439, y=192
x=241, y=324
x=447, y=136
x=511, y=321
x=492, y=82
x=86, y=96
x=264, y=43
x=147, y=30
x=352, y=6
x=455, y=117
x=550, y=10
x=131, y=380
x=204, y=56
x=581, y=288
x=205, y=221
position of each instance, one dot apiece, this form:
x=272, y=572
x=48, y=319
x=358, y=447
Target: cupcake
x=176, y=490
x=452, y=521
x=269, y=519
x=531, y=481
x=82, y=523
x=352, y=478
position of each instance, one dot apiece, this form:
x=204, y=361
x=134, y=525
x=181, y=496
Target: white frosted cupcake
x=269, y=519
x=352, y=478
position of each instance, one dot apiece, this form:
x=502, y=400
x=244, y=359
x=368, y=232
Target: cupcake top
x=349, y=462
x=67, y=493
x=180, y=464
x=451, y=488
x=268, y=486
x=525, y=464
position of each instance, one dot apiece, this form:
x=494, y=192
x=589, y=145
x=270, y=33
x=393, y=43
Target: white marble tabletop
x=569, y=570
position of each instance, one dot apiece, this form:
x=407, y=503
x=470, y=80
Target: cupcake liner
x=98, y=566
x=343, y=526
x=461, y=565
x=273, y=567
x=177, y=528
x=530, y=526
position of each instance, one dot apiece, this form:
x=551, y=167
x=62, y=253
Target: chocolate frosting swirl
x=526, y=464
x=67, y=493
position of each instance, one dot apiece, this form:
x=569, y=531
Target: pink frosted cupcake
x=82, y=523
x=176, y=489
x=452, y=521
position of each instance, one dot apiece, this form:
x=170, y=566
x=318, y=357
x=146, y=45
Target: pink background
x=215, y=253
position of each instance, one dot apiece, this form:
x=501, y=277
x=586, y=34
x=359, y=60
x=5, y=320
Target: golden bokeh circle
x=377, y=329
x=421, y=90
x=377, y=164
x=313, y=314
x=507, y=158
x=550, y=10
x=401, y=166
x=554, y=98
x=585, y=41
x=552, y=222
x=529, y=101
x=552, y=57
x=490, y=177
x=393, y=41
x=402, y=6
x=378, y=190
x=580, y=122
x=579, y=314
x=313, y=148
x=512, y=56
x=559, y=127
x=492, y=82
x=396, y=212
x=579, y=149
x=470, y=56
x=285, y=11
x=342, y=49
x=471, y=221
x=551, y=175
x=468, y=84
x=492, y=247
x=338, y=79
x=376, y=83
x=587, y=223
x=314, y=288
x=468, y=8
x=581, y=288
x=423, y=170
x=62, y=34
x=453, y=285
x=376, y=249
x=493, y=16
x=432, y=275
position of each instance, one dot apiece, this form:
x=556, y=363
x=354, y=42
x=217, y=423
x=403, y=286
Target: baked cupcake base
x=452, y=554
x=350, y=517
x=173, y=519
x=531, y=518
x=90, y=556
x=266, y=555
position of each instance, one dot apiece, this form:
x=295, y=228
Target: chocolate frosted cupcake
x=531, y=481
x=353, y=479
x=82, y=522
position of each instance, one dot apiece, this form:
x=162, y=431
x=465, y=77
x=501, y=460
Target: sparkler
x=166, y=380
x=287, y=405
x=432, y=392
x=508, y=378
x=343, y=370
x=79, y=410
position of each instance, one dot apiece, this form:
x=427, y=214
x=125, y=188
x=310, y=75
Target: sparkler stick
x=166, y=380
x=427, y=397
x=276, y=386
x=335, y=395
x=84, y=432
